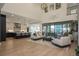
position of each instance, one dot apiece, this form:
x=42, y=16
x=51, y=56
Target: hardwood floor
x=27, y=47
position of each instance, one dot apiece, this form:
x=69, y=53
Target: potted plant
x=77, y=51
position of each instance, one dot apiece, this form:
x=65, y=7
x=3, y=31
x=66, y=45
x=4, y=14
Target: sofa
x=62, y=41
x=10, y=34
x=36, y=36
x=22, y=35
x=71, y=37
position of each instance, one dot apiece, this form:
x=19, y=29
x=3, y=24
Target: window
x=52, y=7
x=52, y=28
x=69, y=28
x=48, y=28
x=44, y=28
x=58, y=29
x=74, y=11
x=44, y=7
x=34, y=28
x=58, y=5
x=65, y=28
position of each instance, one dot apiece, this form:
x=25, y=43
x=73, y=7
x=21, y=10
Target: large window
x=44, y=29
x=69, y=28
x=72, y=10
x=64, y=28
x=48, y=28
x=58, y=5
x=52, y=28
x=58, y=29
x=35, y=28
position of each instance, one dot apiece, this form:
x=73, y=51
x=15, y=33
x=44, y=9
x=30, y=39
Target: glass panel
x=73, y=11
x=35, y=28
x=65, y=28
x=69, y=29
x=58, y=29
x=52, y=28
x=48, y=28
x=51, y=6
x=44, y=28
x=58, y=5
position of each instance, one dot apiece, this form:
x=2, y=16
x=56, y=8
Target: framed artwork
x=17, y=27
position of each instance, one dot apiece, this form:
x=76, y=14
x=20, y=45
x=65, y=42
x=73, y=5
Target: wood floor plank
x=27, y=47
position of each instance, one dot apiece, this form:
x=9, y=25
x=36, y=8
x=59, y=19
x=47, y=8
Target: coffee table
x=48, y=38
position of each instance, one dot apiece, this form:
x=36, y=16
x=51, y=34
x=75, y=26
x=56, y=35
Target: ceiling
x=72, y=4
x=29, y=11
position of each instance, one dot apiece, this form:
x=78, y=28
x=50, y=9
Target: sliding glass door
x=48, y=29
x=35, y=28
x=58, y=29
x=66, y=28
x=52, y=28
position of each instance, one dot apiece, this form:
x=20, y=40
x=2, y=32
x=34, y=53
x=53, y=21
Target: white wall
x=55, y=15
x=10, y=24
x=58, y=15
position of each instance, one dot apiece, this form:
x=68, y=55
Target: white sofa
x=71, y=37
x=62, y=42
x=37, y=36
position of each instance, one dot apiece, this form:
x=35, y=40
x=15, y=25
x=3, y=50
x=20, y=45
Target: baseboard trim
x=60, y=46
